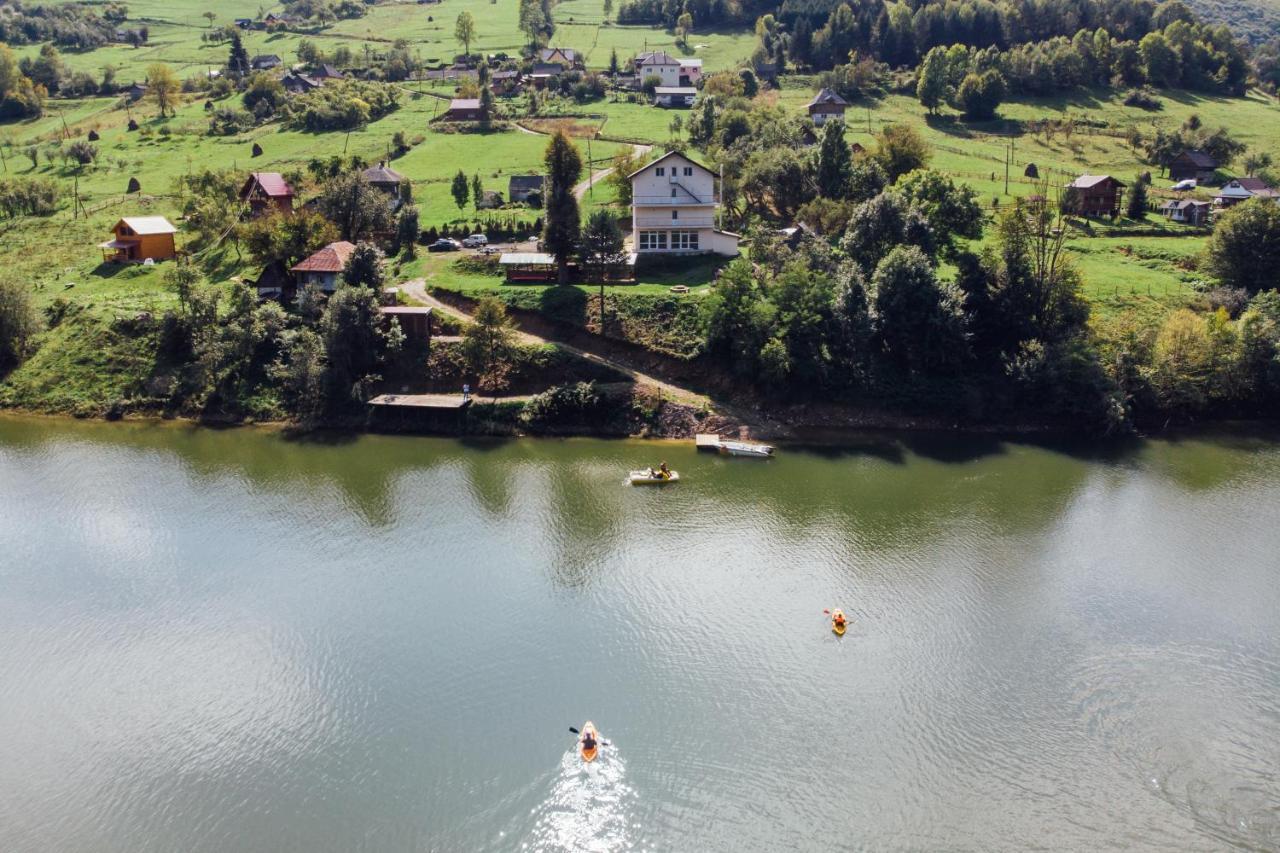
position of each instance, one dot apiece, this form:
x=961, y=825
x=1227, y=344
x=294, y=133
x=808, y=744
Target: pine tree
x=613, y=62
x=561, y=233
x=460, y=189
x=835, y=162
x=477, y=191
x=1137, y=204
x=238, y=62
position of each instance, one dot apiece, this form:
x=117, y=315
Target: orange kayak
x=589, y=755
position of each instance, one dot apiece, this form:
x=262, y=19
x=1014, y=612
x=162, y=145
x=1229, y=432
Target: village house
x=325, y=71
x=673, y=209
x=461, y=109
x=273, y=20
x=826, y=105
x=265, y=62
x=386, y=180
x=681, y=97
x=140, y=238
x=1193, y=165
x=324, y=269
x=266, y=192
x=503, y=83
x=564, y=58
x=670, y=71
x=519, y=187
x=1098, y=195
x=1242, y=189
x=136, y=91
x=1187, y=211
x=298, y=84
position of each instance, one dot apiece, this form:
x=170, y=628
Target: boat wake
x=587, y=808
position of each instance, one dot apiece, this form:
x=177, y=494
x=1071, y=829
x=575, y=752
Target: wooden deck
x=706, y=441
x=421, y=401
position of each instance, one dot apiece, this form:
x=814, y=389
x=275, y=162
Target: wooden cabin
x=140, y=238
x=462, y=109
x=1099, y=195
x=1193, y=165
x=827, y=105
x=267, y=192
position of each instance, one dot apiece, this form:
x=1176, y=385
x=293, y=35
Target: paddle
x=602, y=741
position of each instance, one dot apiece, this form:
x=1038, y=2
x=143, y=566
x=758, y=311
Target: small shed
x=461, y=109
x=674, y=96
x=414, y=321
x=529, y=267
x=140, y=238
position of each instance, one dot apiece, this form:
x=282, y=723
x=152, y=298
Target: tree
x=477, y=190
x=288, y=239
x=1161, y=62
x=407, y=231
x=625, y=162
x=355, y=207
x=488, y=345
x=900, y=149
x=980, y=95
x=601, y=250
x=931, y=87
x=483, y=79
x=951, y=211
x=561, y=232
x=365, y=267
x=919, y=320
x=535, y=22
x=209, y=16
x=684, y=26
x=355, y=341
x=614, y=68
x=1136, y=206
x=835, y=162
x=238, y=61
x=1244, y=250
x=460, y=189
x=464, y=30
x=163, y=85
x=19, y=323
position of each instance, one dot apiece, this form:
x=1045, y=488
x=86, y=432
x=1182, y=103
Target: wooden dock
x=707, y=441
x=421, y=401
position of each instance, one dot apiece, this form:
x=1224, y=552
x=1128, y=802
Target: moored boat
x=746, y=448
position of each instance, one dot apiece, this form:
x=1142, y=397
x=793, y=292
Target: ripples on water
x=225, y=641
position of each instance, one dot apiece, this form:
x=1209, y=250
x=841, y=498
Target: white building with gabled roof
x=667, y=68
x=673, y=209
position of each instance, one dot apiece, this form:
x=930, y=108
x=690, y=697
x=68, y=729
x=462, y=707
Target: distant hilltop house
x=826, y=105
x=461, y=109
x=140, y=238
x=324, y=268
x=669, y=70
x=266, y=192
x=1193, y=165
x=673, y=209
x=565, y=58
x=1186, y=210
x=271, y=19
x=386, y=180
x=265, y=62
x=1242, y=189
x=520, y=187
x=1098, y=195
x=675, y=96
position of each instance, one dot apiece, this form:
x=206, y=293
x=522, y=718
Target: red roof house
x=266, y=192
x=324, y=268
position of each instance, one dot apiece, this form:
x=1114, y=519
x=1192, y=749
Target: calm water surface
x=230, y=641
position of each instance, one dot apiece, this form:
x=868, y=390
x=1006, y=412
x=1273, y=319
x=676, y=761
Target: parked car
x=444, y=244
x=490, y=250
x=1188, y=184
x=475, y=241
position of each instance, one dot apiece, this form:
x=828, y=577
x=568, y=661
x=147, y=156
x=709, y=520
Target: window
x=684, y=241
x=673, y=192
x=675, y=214
x=688, y=171
x=650, y=240
x=660, y=171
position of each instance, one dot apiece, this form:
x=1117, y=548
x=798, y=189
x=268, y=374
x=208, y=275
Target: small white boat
x=746, y=448
x=650, y=477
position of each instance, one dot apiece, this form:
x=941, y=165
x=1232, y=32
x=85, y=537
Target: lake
x=230, y=640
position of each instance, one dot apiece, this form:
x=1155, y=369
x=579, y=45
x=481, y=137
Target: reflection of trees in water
x=490, y=477
x=584, y=513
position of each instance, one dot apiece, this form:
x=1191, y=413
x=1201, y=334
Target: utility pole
x=1006, y=170
x=591, y=191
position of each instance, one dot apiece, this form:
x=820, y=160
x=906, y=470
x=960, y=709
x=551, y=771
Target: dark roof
x=1198, y=158
x=332, y=258
x=664, y=157
x=1253, y=185
x=524, y=182
x=272, y=183
x=1085, y=182
x=504, y=75
x=327, y=70
x=265, y=60
x=656, y=57
x=567, y=52
x=382, y=174
x=826, y=97
x=1183, y=204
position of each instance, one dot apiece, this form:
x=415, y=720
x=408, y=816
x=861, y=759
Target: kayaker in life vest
x=838, y=619
x=588, y=740
x=664, y=471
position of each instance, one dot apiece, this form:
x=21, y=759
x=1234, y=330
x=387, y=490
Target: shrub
x=343, y=105
x=19, y=323
x=1143, y=98
x=27, y=197
x=579, y=404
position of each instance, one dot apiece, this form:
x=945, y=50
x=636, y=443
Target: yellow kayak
x=651, y=477
x=838, y=622
x=589, y=755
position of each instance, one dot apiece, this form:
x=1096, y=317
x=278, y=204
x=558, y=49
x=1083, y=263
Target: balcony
x=682, y=222
x=682, y=200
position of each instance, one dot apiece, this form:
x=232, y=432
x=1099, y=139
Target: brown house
x=140, y=238
x=462, y=109
x=324, y=268
x=266, y=192
x=1193, y=165
x=827, y=105
x=1099, y=195
x=384, y=178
